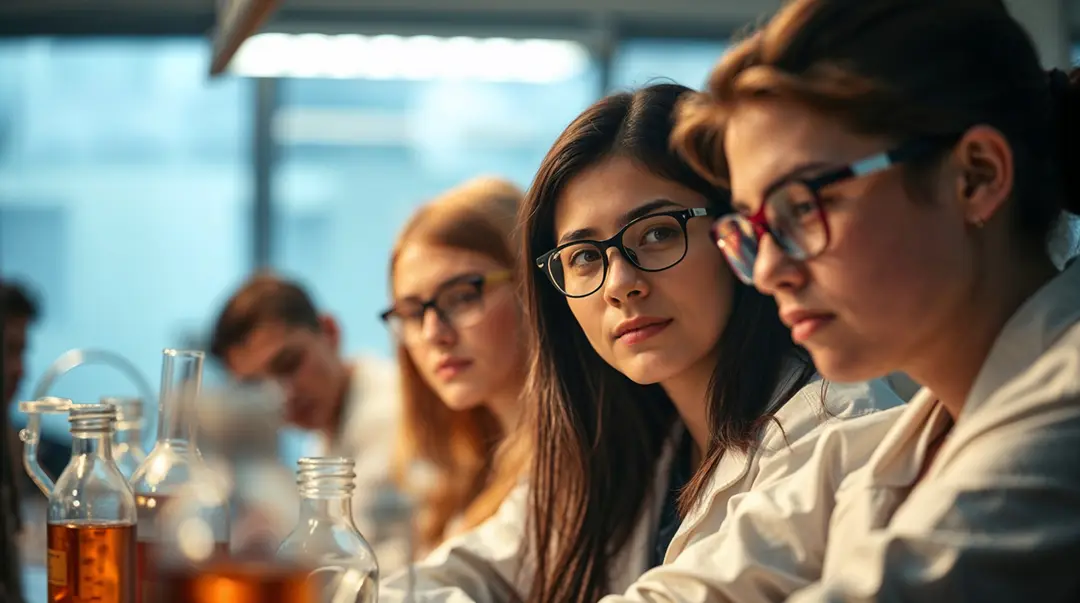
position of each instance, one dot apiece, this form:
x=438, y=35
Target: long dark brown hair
x=597, y=435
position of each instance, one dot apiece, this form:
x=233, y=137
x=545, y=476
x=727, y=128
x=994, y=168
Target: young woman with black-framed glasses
x=661, y=388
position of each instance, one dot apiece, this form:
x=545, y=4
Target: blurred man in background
x=270, y=329
x=17, y=312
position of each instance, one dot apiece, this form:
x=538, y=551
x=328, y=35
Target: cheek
x=497, y=341
x=704, y=291
x=589, y=313
x=883, y=277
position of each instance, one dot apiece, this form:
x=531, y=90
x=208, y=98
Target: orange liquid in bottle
x=238, y=582
x=91, y=563
x=148, y=580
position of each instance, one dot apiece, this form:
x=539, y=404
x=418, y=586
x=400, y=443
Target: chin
x=648, y=368
x=844, y=366
x=460, y=401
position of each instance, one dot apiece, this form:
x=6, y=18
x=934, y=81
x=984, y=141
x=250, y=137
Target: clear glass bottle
x=170, y=465
x=326, y=538
x=238, y=432
x=91, y=517
x=128, y=449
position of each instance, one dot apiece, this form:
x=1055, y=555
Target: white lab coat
x=488, y=564
x=997, y=515
x=996, y=518
x=368, y=433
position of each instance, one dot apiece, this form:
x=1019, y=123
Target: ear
x=986, y=175
x=330, y=330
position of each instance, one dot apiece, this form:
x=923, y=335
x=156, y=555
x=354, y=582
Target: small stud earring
x=978, y=223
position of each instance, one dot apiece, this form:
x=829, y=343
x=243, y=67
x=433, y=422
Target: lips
x=804, y=324
x=637, y=330
x=449, y=368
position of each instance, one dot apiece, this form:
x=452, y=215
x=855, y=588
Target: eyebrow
x=799, y=170
x=453, y=280
x=626, y=218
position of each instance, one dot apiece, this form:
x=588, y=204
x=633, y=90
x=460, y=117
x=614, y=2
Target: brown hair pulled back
x=905, y=69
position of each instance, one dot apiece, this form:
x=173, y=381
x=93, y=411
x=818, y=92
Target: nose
x=623, y=280
x=434, y=330
x=774, y=270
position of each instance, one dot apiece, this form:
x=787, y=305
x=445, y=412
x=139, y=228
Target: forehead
x=767, y=139
x=251, y=356
x=420, y=267
x=598, y=196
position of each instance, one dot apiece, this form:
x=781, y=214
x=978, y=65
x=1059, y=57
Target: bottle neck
x=95, y=444
x=131, y=436
x=174, y=422
x=335, y=508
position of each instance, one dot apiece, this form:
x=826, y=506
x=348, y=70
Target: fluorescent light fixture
x=414, y=58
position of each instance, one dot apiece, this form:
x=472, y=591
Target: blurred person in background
x=10, y=574
x=271, y=329
x=20, y=311
x=461, y=352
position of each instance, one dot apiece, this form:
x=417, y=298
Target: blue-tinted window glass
x=358, y=155
x=124, y=197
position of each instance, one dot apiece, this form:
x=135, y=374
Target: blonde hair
x=471, y=477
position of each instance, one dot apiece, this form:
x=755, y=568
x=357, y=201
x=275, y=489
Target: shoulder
x=823, y=403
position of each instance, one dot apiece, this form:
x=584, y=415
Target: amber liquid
x=91, y=562
x=148, y=580
x=238, y=582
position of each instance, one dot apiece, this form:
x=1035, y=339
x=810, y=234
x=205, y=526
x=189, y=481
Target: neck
x=689, y=392
x=131, y=435
x=950, y=363
x=97, y=444
x=334, y=508
x=174, y=421
x=506, y=406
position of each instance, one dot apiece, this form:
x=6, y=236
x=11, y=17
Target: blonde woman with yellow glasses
x=460, y=351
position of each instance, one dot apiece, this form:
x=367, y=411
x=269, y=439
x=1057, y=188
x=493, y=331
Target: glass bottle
x=238, y=432
x=128, y=449
x=91, y=517
x=326, y=538
x=170, y=464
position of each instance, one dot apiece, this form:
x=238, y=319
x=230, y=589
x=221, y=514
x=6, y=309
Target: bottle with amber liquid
x=238, y=429
x=326, y=539
x=170, y=466
x=91, y=517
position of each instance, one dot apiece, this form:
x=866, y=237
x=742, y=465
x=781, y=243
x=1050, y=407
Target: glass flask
x=326, y=538
x=170, y=464
x=91, y=517
x=128, y=449
x=238, y=434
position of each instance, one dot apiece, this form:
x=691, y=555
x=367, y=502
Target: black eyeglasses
x=458, y=303
x=651, y=243
x=793, y=213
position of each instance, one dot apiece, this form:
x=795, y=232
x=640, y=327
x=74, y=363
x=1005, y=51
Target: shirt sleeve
x=483, y=565
x=998, y=516
x=773, y=538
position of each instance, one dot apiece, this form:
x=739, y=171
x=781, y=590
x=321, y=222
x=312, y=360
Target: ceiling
x=680, y=18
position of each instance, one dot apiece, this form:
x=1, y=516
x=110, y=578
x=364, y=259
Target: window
x=643, y=61
x=124, y=197
x=359, y=154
